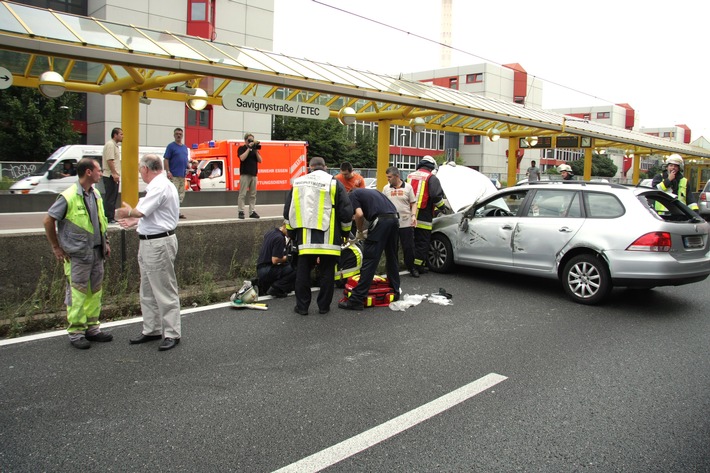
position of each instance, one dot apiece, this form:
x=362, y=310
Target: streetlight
x=401, y=143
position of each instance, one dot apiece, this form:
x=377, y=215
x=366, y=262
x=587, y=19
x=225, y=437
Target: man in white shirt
x=402, y=196
x=156, y=217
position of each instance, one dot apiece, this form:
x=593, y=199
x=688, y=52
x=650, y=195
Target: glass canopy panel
x=14, y=62
x=133, y=39
x=174, y=47
x=209, y=51
x=43, y=23
x=327, y=75
x=382, y=83
x=86, y=71
x=269, y=63
x=339, y=77
x=234, y=87
x=301, y=68
x=352, y=77
x=91, y=32
x=243, y=58
x=9, y=23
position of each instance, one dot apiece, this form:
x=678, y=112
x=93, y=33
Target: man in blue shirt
x=177, y=156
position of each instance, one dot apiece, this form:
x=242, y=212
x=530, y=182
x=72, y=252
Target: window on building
x=77, y=7
x=602, y=115
x=587, y=116
x=668, y=134
x=454, y=83
x=472, y=140
x=198, y=11
x=474, y=78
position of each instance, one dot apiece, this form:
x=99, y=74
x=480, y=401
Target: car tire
x=586, y=279
x=441, y=255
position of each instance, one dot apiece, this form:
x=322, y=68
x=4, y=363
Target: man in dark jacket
x=382, y=234
x=430, y=198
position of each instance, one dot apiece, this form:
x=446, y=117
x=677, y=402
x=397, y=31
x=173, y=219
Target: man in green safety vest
x=75, y=226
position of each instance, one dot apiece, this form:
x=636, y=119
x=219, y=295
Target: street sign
x=5, y=78
x=247, y=103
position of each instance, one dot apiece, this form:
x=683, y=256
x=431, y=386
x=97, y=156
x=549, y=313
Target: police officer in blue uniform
x=382, y=233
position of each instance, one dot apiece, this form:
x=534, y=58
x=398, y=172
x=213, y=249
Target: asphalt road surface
x=511, y=377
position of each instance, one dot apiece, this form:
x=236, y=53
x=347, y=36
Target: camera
x=254, y=144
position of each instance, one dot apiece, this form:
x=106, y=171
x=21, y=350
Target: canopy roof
x=103, y=57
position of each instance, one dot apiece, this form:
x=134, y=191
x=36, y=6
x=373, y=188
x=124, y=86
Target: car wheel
x=441, y=256
x=586, y=279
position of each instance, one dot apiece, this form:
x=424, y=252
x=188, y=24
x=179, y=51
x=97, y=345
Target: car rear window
x=601, y=205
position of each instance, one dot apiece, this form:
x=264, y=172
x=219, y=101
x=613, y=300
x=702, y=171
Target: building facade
x=242, y=22
x=509, y=83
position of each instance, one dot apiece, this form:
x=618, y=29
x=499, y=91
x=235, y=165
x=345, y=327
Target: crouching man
x=275, y=273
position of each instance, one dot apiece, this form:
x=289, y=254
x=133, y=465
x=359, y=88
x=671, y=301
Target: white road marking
x=347, y=448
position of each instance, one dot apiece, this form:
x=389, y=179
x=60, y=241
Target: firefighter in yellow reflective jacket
x=75, y=226
x=319, y=216
x=430, y=197
x=672, y=181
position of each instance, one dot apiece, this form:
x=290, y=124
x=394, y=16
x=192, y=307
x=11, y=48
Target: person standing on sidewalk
x=249, y=159
x=156, y=216
x=81, y=244
x=111, y=163
x=177, y=157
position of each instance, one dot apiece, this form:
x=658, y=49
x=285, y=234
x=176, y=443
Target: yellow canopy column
x=587, y=164
x=512, y=161
x=637, y=167
x=129, y=150
x=383, y=152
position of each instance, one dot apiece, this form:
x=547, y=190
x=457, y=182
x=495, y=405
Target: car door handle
x=565, y=230
x=507, y=227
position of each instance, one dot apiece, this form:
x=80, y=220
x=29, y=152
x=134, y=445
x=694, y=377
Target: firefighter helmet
x=565, y=167
x=427, y=162
x=248, y=294
x=675, y=159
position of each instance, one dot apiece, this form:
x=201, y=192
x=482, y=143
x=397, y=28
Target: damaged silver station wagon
x=590, y=236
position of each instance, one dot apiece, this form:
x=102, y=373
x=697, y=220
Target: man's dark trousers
x=110, y=197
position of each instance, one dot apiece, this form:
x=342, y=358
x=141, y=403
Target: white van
x=50, y=179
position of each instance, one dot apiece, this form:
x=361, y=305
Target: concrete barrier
x=41, y=202
x=219, y=251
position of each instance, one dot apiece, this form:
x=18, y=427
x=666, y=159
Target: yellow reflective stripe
x=331, y=230
x=321, y=208
x=318, y=251
x=424, y=225
x=296, y=201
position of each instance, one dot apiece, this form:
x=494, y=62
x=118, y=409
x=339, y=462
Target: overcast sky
x=650, y=54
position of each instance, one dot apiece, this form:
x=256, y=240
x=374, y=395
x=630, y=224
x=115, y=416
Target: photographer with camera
x=249, y=159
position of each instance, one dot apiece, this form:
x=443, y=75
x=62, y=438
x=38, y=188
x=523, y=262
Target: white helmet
x=248, y=294
x=564, y=167
x=427, y=162
x=675, y=159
